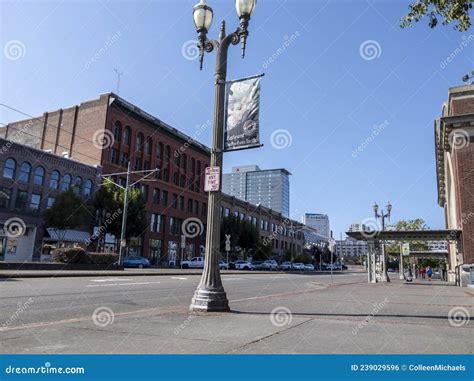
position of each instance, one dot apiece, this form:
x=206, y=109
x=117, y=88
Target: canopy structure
x=406, y=235
x=68, y=235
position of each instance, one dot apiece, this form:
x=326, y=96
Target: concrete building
x=454, y=140
x=269, y=188
x=319, y=222
x=30, y=181
x=110, y=132
x=351, y=248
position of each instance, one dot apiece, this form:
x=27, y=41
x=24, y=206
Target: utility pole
x=119, y=75
x=126, y=190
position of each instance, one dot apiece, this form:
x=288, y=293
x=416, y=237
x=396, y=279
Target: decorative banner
x=242, y=114
x=406, y=249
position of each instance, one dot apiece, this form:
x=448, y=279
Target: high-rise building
x=267, y=187
x=319, y=222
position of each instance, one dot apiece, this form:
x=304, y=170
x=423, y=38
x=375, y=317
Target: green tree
x=67, y=212
x=108, y=203
x=242, y=234
x=416, y=224
x=446, y=10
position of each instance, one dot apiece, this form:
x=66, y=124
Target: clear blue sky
x=320, y=88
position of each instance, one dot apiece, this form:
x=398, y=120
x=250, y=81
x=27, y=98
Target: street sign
x=212, y=179
x=405, y=249
x=123, y=243
x=227, y=242
x=183, y=240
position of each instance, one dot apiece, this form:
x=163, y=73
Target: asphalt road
x=271, y=313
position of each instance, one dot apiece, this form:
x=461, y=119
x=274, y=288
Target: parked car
x=308, y=267
x=334, y=266
x=258, y=265
x=193, y=263
x=136, y=261
x=270, y=264
x=298, y=266
x=223, y=265
x=286, y=266
x=243, y=265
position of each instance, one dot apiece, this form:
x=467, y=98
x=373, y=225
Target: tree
x=242, y=234
x=446, y=10
x=416, y=224
x=108, y=203
x=67, y=212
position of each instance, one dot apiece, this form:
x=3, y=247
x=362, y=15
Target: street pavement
x=271, y=313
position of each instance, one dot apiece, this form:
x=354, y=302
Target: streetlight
x=382, y=217
x=210, y=295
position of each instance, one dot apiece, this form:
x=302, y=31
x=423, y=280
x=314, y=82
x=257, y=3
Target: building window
x=185, y=162
x=175, y=179
x=35, y=202
x=116, y=130
x=156, y=196
x=193, y=165
x=66, y=182
x=174, y=202
x=177, y=158
x=126, y=136
x=88, y=188
x=114, y=156
x=166, y=174
x=204, y=208
x=196, y=207
x=181, y=202
x=155, y=247
x=138, y=164
x=21, y=200
x=54, y=181
x=190, y=205
x=226, y=212
x=164, y=198
x=182, y=181
x=9, y=169
x=25, y=171
x=51, y=201
x=156, y=224
x=38, y=178
x=146, y=165
x=148, y=146
x=125, y=159
x=159, y=151
x=139, y=142
x=78, y=185
x=144, y=190
x=175, y=225
x=5, y=196
x=168, y=154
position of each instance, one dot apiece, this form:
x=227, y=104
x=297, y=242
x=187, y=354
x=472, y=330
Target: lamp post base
x=206, y=300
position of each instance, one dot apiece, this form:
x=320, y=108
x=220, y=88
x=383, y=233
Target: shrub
x=80, y=256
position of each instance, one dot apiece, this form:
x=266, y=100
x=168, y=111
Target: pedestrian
x=429, y=272
x=422, y=272
x=444, y=273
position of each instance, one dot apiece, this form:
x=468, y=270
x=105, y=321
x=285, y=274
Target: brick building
x=30, y=181
x=454, y=138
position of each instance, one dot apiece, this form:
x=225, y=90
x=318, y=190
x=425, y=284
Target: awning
x=68, y=235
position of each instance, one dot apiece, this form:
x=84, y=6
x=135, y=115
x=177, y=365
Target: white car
x=298, y=266
x=194, y=263
x=286, y=266
x=243, y=265
x=223, y=265
x=270, y=264
x=308, y=267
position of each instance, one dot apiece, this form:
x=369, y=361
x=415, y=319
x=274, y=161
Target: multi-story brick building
x=110, y=132
x=30, y=181
x=454, y=138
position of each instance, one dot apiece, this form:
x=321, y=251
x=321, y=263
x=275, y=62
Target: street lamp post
x=383, y=216
x=210, y=295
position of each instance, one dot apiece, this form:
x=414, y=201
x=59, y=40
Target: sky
x=348, y=100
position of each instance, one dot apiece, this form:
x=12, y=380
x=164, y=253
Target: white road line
x=178, y=277
x=120, y=284
x=110, y=280
x=132, y=284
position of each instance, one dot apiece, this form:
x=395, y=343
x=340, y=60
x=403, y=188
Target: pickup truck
x=193, y=263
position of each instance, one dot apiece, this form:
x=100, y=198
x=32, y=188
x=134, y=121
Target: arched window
x=117, y=130
x=87, y=188
x=139, y=143
x=148, y=146
x=66, y=182
x=126, y=136
x=159, y=151
x=185, y=162
x=167, y=154
x=25, y=170
x=9, y=169
x=38, y=178
x=78, y=185
x=54, y=181
x=193, y=165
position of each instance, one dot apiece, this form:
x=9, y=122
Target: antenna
x=119, y=75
